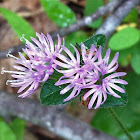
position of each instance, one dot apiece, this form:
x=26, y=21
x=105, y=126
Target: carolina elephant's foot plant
x=86, y=73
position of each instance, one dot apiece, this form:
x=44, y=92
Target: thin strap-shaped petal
x=117, y=74
x=92, y=100
x=51, y=42
x=65, y=59
x=18, y=76
x=113, y=69
x=116, y=87
x=107, y=55
x=59, y=42
x=69, y=54
x=99, y=54
x=119, y=81
x=37, y=43
x=105, y=97
x=61, y=82
x=71, y=95
x=45, y=77
x=99, y=100
x=66, y=89
x=84, y=53
x=77, y=54
x=19, y=68
x=28, y=92
x=114, y=60
x=24, y=86
x=63, y=65
x=92, y=50
x=89, y=93
x=111, y=92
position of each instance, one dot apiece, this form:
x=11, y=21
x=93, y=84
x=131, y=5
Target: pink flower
x=38, y=67
x=106, y=84
x=76, y=74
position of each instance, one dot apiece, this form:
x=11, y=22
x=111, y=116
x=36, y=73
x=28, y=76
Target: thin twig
x=32, y=13
x=73, y=27
x=117, y=119
x=116, y=18
x=52, y=118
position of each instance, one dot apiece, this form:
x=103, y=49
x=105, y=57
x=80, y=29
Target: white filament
x=10, y=55
x=22, y=38
x=15, y=72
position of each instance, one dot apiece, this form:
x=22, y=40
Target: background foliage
x=126, y=40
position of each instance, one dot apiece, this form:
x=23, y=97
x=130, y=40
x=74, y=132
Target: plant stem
x=117, y=119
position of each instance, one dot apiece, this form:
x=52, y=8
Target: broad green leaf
x=6, y=132
x=90, y=7
x=18, y=127
x=124, y=39
x=135, y=61
x=98, y=40
x=129, y=114
x=76, y=37
x=58, y=12
x=132, y=16
x=17, y=23
x=50, y=94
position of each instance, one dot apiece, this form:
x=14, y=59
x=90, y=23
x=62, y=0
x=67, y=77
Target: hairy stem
x=117, y=119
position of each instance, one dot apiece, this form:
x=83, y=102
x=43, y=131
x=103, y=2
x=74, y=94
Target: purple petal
x=92, y=49
x=51, y=42
x=92, y=100
x=111, y=92
x=117, y=74
x=61, y=82
x=105, y=97
x=119, y=81
x=63, y=65
x=66, y=89
x=59, y=42
x=45, y=77
x=71, y=95
x=24, y=86
x=114, y=68
x=84, y=53
x=89, y=93
x=113, y=61
x=99, y=100
x=77, y=54
x=69, y=54
x=116, y=87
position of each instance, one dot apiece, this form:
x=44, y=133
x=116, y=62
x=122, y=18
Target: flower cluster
x=84, y=70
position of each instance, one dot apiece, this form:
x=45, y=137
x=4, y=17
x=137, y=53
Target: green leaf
x=90, y=7
x=76, y=37
x=50, y=94
x=129, y=114
x=59, y=13
x=18, y=127
x=98, y=40
x=124, y=39
x=17, y=23
x=135, y=61
x=133, y=16
x=6, y=132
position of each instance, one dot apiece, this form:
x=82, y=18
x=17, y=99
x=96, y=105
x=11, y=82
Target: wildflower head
x=37, y=68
